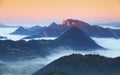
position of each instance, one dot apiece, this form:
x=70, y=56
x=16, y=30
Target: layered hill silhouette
x=73, y=38
x=21, y=31
x=77, y=64
x=28, y=31
x=55, y=30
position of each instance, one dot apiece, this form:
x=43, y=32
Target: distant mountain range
x=73, y=38
x=5, y=26
x=22, y=31
x=2, y=25
x=77, y=64
x=114, y=24
x=55, y=30
x=28, y=31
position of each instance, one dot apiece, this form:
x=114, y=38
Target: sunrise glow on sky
x=42, y=12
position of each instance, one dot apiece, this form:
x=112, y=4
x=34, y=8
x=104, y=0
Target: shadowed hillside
x=77, y=64
x=77, y=40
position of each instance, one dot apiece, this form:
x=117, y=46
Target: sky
x=43, y=12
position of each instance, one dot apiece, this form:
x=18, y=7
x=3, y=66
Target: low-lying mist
x=27, y=67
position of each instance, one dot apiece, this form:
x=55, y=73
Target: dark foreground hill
x=78, y=64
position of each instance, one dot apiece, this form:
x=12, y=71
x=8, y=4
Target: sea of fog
x=113, y=27
x=6, y=32
x=27, y=67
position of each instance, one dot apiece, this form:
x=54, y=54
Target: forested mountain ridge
x=77, y=64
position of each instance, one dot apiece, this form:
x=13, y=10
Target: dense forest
x=14, y=50
x=77, y=64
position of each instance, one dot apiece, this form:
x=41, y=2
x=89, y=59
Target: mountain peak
x=68, y=22
x=77, y=39
x=72, y=22
x=73, y=32
x=21, y=31
x=21, y=27
x=53, y=24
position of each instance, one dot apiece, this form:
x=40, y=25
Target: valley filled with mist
x=29, y=66
x=59, y=37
